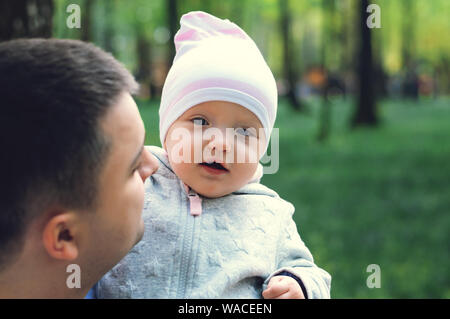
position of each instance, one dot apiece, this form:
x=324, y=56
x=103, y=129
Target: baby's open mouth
x=214, y=165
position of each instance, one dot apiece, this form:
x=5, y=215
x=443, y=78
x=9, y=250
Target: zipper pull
x=195, y=203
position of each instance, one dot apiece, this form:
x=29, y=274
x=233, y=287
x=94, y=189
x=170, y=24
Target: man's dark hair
x=53, y=94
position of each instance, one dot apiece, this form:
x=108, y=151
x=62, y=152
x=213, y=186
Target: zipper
x=195, y=203
x=195, y=209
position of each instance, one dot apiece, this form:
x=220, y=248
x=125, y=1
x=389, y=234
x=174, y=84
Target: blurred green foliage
x=373, y=197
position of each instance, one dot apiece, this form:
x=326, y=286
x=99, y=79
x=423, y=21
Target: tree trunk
x=411, y=80
x=144, y=64
x=328, y=11
x=408, y=22
x=289, y=71
x=86, y=17
x=172, y=21
x=108, y=34
x=26, y=19
x=365, y=113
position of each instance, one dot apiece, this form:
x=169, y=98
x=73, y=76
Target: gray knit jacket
x=231, y=250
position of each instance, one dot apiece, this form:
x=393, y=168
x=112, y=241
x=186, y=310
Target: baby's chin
x=210, y=192
x=213, y=194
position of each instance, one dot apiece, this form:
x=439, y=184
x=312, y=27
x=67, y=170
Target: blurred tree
x=411, y=78
x=147, y=38
x=365, y=113
x=328, y=30
x=144, y=62
x=86, y=20
x=172, y=22
x=108, y=33
x=237, y=11
x=408, y=27
x=289, y=71
x=25, y=19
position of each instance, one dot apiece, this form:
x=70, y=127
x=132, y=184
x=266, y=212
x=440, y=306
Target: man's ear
x=59, y=236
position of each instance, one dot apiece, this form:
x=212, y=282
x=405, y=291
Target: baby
x=212, y=230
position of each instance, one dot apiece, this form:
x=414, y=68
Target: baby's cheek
x=243, y=173
x=181, y=170
x=246, y=152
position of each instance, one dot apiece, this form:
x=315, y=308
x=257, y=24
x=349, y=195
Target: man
x=72, y=167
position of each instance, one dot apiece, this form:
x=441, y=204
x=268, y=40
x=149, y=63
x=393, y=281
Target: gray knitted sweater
x=231, y=250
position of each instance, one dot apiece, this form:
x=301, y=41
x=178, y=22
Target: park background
x=364, y=118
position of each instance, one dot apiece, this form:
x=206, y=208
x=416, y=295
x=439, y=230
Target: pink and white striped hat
x=216, y=61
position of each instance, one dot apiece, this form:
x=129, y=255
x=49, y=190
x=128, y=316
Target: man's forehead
x=122, y=116
x=123, y=125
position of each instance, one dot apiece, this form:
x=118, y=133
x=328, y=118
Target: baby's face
x=213, y=163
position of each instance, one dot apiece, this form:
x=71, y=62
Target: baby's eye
x=245, y=131
x=199, y=121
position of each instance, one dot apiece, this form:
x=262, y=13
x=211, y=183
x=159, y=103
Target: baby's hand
x=283, y=287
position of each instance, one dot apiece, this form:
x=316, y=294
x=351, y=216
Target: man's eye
x=200, y=121
x=137, y=167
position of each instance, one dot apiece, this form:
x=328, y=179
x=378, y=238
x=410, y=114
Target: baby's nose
x=219, y=143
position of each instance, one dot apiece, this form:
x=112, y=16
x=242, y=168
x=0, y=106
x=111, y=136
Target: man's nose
x=150, y=165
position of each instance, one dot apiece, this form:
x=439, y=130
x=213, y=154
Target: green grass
x=367, y=196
